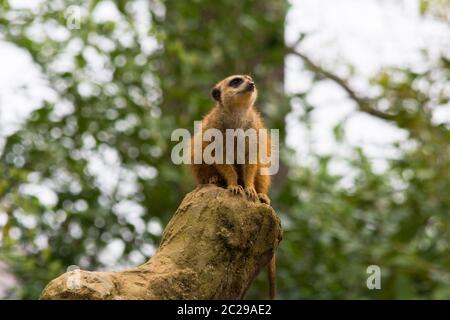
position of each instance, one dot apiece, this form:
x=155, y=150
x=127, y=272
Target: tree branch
x=363, y=103
x=213, y=248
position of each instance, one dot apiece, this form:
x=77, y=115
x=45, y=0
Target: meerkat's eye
x=235, y=82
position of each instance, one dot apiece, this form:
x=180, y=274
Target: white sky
x=368, y=34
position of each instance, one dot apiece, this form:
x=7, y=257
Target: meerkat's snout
x=250, y=86
x=247, y=85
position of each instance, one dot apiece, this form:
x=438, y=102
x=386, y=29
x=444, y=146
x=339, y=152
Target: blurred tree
x=397, y=219
x=102, y=147
x=437, y=8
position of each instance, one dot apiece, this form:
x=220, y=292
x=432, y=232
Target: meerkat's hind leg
x=262, y=183
x=251, y=193
x=236, y=189
x=249, y=172
x=231, y=179
x=264, y=198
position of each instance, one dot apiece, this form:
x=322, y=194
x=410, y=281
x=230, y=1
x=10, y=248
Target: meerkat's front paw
x=264, y=198
x=251, y=193
x=214, y=180
x=236, y=189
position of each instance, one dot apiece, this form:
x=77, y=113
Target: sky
x=369, y=34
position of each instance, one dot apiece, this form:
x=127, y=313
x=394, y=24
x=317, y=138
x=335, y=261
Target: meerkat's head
x=237, y=91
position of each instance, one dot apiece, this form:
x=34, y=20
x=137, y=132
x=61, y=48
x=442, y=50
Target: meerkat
x=234, y=108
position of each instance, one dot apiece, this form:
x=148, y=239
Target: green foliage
x=396, y=219
x=128, y=86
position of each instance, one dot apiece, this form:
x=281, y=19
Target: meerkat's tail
x=271, y=271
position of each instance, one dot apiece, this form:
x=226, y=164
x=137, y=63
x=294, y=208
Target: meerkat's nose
x=250, y=86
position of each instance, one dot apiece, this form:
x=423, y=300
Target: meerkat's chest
x=238, y=121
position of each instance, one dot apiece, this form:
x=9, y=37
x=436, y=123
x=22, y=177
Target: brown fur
x=234, y=109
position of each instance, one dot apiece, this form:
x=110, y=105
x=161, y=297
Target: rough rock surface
x=213, y=247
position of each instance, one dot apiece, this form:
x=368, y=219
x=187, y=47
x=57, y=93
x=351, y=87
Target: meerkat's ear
x=215, y=93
